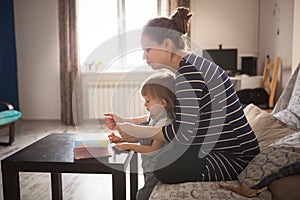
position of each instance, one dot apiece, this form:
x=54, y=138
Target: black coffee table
x=54, y=154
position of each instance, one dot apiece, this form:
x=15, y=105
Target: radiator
x=121, y=98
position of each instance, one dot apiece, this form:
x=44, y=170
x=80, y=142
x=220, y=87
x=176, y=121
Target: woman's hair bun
x=181, y=18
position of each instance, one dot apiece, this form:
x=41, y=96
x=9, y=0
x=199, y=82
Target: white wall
x=296, y=36
x=232, y=23
x=276, y=30
x=276, y=36
x=256, y=27
x=36, y=23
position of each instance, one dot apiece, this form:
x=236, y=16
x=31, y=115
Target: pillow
x=277, y=158
x=294, y=104
x=286, y=94
x=266, y=127
x=288, y=118
x=286, y=188
x=9, y=116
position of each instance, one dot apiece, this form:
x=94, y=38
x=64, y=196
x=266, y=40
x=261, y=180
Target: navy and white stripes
x=210, y=116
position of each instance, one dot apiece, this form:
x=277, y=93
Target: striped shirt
x=210, y=116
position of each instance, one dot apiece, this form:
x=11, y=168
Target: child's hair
x=161, y=85
x=173, y=28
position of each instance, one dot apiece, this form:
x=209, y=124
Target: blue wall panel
x=8, y=60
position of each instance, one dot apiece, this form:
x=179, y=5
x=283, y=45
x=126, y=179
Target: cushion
x=286, y=188
x=282, y=157
x=286, y=94
x=294, y=104
x=200, y=190
x=9, y=116
x=266, y=127
x=288, y=118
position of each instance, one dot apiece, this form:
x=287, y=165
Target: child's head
x=158, y=89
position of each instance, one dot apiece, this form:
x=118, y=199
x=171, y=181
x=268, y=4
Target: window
x=101, y=29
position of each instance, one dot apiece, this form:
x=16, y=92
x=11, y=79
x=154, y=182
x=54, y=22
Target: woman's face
x=155, y=54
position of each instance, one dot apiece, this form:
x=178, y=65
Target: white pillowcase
x=266, y=127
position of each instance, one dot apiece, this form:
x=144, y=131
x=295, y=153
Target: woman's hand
x=114, y=138
x=111, y=120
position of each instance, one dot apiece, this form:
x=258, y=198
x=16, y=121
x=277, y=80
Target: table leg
x=11, y=184
x=119, y=185
x=133, y=176
x=56, y=185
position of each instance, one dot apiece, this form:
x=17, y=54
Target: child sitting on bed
x=157, y=91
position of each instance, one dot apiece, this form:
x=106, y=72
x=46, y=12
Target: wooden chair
x=7, y=120
x=263, y=97
x=270, y=77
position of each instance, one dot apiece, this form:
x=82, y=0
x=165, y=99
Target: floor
x=36, y=186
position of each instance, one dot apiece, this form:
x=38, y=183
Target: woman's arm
x=156, y=145
x=142, y=131
x=111, y=120
x=137, y=120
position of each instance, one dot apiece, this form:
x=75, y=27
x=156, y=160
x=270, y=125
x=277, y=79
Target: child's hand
x=111, y=120
x=114, y=139
x=123, y=146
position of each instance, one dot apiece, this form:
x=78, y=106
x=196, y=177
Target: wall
x=276, y=30
x=276, y=36
x=232, y=23
x=296, y=35
x=257, y=27
x=36, y=23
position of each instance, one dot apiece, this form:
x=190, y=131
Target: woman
x=211, y=138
